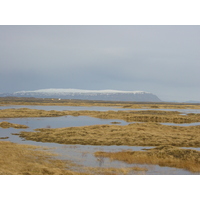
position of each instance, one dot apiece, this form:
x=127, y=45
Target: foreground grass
x=116, y=171
x=16, y=159
x=169, y=156
x=11, y=125
x=129, y=116
x=139, y=134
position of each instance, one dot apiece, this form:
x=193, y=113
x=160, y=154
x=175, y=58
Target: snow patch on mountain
x=65, y=91
x=105, y=95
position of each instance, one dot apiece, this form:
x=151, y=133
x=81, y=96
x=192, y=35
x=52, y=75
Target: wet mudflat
x=83, y=154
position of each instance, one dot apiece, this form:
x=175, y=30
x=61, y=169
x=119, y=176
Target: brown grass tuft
x=16, y=159
x=9, y=125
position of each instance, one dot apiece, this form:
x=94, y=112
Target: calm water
x=183, y=111
x=61, y=122
x=182, y=124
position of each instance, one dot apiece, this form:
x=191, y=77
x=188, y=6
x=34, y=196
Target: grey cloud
x=159, y=59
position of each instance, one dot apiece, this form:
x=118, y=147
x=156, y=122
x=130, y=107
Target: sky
x=163, y=60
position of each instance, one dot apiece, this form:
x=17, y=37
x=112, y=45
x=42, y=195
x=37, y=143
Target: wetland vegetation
x=147, y=131
x=138, y=134
x=16, y=159
x=129, y=116
x=165, y=155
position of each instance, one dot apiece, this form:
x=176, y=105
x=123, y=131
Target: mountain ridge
x=112, y=95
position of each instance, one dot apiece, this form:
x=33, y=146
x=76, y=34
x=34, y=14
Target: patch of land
x=11, y=125
x=138, y=134
x=163, y=155
x=67, y=102
x=4, y=138
x=129, y=116
x=140, y=116
x=25, y=112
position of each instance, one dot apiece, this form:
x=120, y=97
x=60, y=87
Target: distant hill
x=106, y=95
x=191, y=101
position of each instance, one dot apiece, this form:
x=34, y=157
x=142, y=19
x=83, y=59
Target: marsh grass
x=138, y=134
x=116, y=171
x=129, y=116
x=11, y=125
x=16, y=159
x=25, y=112
x=4, y=138
x=115, y=122
x=169, y=156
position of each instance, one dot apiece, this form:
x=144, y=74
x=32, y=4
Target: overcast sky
x=163, y=60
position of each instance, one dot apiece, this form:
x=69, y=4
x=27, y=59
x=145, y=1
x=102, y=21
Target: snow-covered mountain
x=108, y=95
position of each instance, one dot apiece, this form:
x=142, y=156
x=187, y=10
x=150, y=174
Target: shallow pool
x=181, y=124
x=61, y=122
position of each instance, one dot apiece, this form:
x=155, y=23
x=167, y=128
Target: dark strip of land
x=73, y=102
